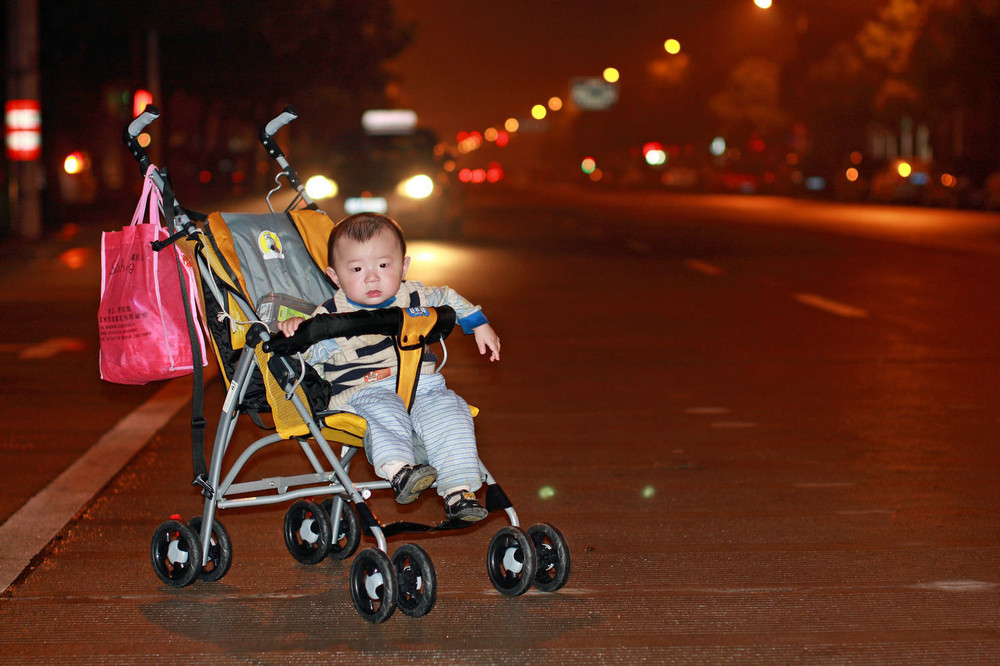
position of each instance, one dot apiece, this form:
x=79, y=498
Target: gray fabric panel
x=284, y=267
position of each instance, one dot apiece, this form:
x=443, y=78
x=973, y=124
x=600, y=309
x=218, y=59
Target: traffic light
x=140, y=101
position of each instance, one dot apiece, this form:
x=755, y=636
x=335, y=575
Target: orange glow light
x=851, y=174
x=74, y=258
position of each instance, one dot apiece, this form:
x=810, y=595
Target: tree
x=749, y=103
x=227, y=64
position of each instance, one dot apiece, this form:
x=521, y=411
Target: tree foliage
x=326, y=57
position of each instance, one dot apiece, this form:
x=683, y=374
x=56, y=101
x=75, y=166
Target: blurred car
x=400, y=173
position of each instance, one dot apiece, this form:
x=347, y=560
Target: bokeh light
x=555, y=103
x=672, y=46
x=611, y=75
x=538, y=111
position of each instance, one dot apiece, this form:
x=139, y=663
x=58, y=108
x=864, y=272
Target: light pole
x=22, y=84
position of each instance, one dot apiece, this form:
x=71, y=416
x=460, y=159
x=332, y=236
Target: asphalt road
x=767, y=429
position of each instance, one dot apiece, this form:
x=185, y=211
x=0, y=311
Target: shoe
x=463, y=506
x=412, y=480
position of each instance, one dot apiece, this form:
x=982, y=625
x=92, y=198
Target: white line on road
x=24, y=534
x=833, y=307
x=704, y=267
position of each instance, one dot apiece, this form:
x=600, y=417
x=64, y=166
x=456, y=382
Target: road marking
x=833, y=307
x=704, y=267
x=45, y=349
x=707, y=410
x=51, y=347
x=829, y=484
x=34, y=525
x=957, y=586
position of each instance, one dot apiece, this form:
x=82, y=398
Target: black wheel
x=511, y=561
x=307, y=532
x=220, y=550
x=417, y=581
x=348, y=537
x=373, y=585
x=552, y=556
x=176, y=553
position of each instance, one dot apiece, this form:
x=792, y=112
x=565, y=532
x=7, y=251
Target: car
x=400, y=172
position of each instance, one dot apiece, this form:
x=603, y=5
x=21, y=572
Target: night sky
x=474, y=64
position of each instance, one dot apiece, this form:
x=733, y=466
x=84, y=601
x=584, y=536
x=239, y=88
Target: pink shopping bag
x=143, y=327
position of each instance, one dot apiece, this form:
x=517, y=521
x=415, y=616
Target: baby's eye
x=356, y=269
x=383, y=265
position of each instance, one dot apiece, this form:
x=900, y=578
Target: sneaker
x=412, y=480
x=463, y=506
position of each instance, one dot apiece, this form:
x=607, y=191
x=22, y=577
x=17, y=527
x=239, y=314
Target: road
x=767, y=429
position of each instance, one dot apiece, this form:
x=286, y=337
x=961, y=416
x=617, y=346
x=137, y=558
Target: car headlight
x=321, y=187
x=418, y=187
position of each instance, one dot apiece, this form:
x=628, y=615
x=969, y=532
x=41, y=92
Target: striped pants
x=440, y=417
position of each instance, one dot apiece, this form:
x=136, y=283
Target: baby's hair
x=363, y=227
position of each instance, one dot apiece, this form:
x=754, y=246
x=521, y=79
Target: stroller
x=241, y=289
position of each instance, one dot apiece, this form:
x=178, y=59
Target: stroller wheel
x=176, y=553
x=552, y=555
x=307, y=532
x=416, y=578
x=510, y=561
x=220, y=550
x=348, y=537
x=373, y=585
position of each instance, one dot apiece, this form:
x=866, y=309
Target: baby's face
x=369, y=272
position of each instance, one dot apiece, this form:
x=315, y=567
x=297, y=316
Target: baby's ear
x=406, y=265
x=333, y=275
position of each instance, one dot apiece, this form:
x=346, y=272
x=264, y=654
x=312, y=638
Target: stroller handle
x=279, y=121
x=143, y=120
x=384, y=321
x=130, y=136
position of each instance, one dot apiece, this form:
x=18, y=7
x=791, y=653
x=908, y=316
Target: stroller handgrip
x=279, y=121
x=386, y=321
x=143, y=120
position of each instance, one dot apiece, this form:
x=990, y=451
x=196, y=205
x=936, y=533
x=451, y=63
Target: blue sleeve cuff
x=474, y=320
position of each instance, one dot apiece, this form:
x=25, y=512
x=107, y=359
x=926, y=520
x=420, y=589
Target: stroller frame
x=201, y=549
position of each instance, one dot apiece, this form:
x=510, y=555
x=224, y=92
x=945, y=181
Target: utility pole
x=23, y=84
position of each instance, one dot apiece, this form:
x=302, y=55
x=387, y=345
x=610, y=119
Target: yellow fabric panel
x=189, y=251
x=315, y=228
x=345, y=428
x=287, y=420
x=411, y=351
x=224, y=241
x=237, y=332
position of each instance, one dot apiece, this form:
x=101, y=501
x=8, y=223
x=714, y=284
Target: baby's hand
x=289, y=326
x=486, y=337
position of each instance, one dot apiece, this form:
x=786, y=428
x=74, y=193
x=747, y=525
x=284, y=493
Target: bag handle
x=152, y=195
